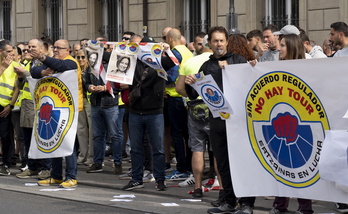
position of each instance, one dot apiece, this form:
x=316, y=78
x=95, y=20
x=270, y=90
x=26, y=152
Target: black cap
x=147, y=39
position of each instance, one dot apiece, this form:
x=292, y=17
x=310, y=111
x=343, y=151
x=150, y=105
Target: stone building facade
x=77, y=19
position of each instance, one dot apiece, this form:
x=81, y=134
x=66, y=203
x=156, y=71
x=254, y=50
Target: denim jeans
x=119, y=134
x=154, y=126
x=105, y=119
x=179, y=132
x=70, y=168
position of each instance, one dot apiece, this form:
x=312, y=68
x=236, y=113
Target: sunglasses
x=25, y=50
x=125, y=38
x=81, y=57
x=164, y=38
x=57, y=47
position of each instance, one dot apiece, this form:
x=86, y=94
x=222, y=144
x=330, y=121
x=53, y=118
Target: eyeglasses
x=25, y=50
x=57, y=47
x=81, y=57
x=125, y=38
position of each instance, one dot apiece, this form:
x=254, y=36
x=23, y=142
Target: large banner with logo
x=56, y=113
x=276, y=134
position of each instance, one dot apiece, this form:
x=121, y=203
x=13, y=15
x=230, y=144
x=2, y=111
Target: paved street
x=96, y=190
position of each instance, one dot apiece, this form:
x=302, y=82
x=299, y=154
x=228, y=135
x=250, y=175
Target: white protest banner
x=207, y=88
x=56, y=113
x=150, y=54
x=333, y=163
x=122, y=63
x=276, y=134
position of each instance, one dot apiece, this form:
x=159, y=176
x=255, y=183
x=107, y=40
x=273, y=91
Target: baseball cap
x=147, y=39
x=288, y=29
x=205, y=42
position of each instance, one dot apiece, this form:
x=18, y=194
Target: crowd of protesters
x=168, y=123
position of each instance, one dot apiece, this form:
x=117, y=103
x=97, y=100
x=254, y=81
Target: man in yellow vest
x=177, y=111
x=61, y=61
x=27, y=115
x=8, y=96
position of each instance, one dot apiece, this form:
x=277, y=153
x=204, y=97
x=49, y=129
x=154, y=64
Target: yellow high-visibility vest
x=7, y=84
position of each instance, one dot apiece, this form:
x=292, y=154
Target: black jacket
x=212, y=67
x=102, y=99
x=152, y=91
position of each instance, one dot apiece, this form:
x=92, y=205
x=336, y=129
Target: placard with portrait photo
x=122, y=63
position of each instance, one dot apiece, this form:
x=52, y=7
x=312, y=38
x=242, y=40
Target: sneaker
x=68, y=183
x=96, y=167
x=28, y=174
x=208, y=182
x=148, y=177
x=174, y=161
x=342, y=208
x=177, y=176
x=168, y=168
x=161, y=186
x=88, y=162
x=118, y=169
x=223, y=208
x=275, y=211
x=197, y=193
x=244, y=209
x=23, y=167
x=4, y=170
x=44, y=174
x=49, y=181
x=133, y=185
x=204, y=189
x=189, y=181
x=218, y=202
x=126, y=176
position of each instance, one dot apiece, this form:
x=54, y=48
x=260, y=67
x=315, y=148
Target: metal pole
x=288, y=11
x=145, y=15
x=203, y=16
x=232, y=19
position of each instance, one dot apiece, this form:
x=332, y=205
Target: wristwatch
x=11, y=106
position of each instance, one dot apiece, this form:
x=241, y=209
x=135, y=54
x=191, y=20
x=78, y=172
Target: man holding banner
x=61, y=62
x=217, y=39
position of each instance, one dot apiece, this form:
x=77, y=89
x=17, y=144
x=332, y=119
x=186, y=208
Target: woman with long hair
x=291, y=47
x=84, y=128
x=237, y=44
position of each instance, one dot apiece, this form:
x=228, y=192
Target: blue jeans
x=105, y=119
x=115, y=148
x=154, y=126
x=70, y=168
x=179, y=132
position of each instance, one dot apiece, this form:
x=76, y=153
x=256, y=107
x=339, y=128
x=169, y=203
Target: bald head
x=166, y=30
x=183, y=40
x=174, y=34
x=136, y=38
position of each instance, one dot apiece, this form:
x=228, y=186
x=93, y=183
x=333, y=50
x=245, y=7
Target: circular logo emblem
x=121, y=46
x=54, y=113
x=156, y=50
x=286, y=123
x=212, y=95
x=133, y=48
